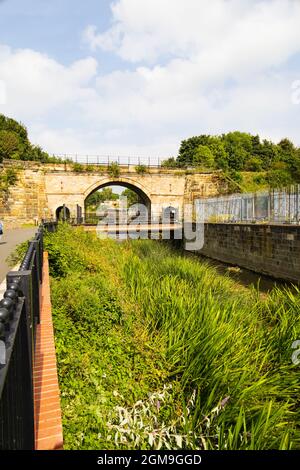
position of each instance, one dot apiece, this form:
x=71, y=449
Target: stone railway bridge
x=42, y=189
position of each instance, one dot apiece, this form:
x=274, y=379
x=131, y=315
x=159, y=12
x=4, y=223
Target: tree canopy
x=15, y=144
x=241, y=152
x=98, y=197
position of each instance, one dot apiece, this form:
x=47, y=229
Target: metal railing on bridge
x=19, y=315
x=281, y=206
x=108, y=160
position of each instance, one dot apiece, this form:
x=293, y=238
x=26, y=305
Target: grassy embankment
x=156, y=350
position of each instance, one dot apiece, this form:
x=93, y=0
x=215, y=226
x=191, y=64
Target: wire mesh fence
x=280, y=206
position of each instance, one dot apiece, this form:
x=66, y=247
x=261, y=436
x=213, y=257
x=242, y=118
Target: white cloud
x=215, y=33
x=36, y=84
x=193, y=67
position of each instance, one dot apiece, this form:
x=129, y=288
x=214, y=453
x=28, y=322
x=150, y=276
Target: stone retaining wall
x=273, y=250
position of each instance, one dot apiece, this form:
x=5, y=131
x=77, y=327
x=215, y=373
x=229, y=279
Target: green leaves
x=114, y=170
x=8, y=178
x=15, y=145
x=242, y=152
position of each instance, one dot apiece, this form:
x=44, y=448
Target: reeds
x=227, y=343
x=214, y=340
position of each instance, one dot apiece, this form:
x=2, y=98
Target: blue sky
x=135, y=77
x=55, y=27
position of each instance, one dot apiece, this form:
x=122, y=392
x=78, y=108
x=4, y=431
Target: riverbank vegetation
x=245, y=160
x=156, y=350
x=8, y=178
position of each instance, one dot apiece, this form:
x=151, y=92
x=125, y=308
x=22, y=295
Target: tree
x=14, y=143
x=203, y=157
x=132, y=197
x=279, y=178
x=237, y=158
x=254, y=164
x=257, y=147
x=287, y=152
x=234, y=140
x=169, y=163
x=221, y=156
x=98, y=197
x=9, y=143
x=239, y=147
x=188, y=148
x=269, y=153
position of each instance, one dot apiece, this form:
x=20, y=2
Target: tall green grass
x=159, y=320
x=225, y=342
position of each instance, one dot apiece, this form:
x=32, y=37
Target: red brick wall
x=48, y=425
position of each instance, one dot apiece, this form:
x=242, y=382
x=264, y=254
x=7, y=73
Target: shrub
x=170, y=163
x=279, y=178
x=90, y=168
x=254, y=164
x=78, y=168
x=8, y=178
x=114, y=170
x=141, y=169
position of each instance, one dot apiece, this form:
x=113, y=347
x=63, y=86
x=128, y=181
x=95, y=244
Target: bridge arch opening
x=108, y=198
x=62, y=213
x=170, y=215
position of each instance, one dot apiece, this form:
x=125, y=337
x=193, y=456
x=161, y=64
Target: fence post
x=16, y=393
x=28, y=324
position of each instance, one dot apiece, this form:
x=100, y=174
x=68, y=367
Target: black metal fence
x=19, y=315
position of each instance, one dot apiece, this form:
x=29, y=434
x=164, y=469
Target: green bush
x=169, y=163
x=141, y=169
x=91, y=169
x=254, y=164
x=8, y=178
x=279, y=178
x=114, y=170
x=78, y=168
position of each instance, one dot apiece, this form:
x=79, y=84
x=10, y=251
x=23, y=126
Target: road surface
x=10, y=240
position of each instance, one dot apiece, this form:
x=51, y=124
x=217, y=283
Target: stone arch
x=127, y=183
x=62, y=213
